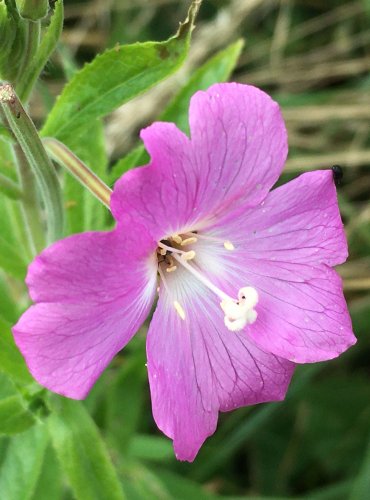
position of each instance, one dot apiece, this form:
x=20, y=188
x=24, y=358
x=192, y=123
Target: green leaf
x=9, y=188
x=82, y=453
x=134, y=158
x=124, y=401
x=156, y=448
x=22, y=464
x=11, y=261
x=236, y=437
x=14, y=417
x=7, y=161
x=113, y=78
x=361, y=486
x=182, y=488
x=8, y=308
x=49, y=485
x=11, y=361
x=217, y=69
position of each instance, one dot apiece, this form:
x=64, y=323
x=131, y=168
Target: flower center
x=180, y=250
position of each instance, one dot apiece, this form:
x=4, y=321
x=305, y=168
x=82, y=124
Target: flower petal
x=240, y=142
x=297, y=222
x=302, y=313
x=93, y=294
x=197, y=367
x=237, y=150
x=283, y=249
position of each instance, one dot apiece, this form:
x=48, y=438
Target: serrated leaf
x=113, y=78
x=82, y=453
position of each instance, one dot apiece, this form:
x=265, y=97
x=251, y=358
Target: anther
x=180, y=311
x=171, y=269
x=188, y=241
x=162, y=251
x=177, y=239
x=188, y=255
x=228, y=245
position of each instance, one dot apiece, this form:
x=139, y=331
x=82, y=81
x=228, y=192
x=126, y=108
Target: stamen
x=238, y=313
x=177, y=239
x=169, y=249
x=228, y=245
x=179, y=309
x=201, y=278
x=188, y=255
x=189, y=241
x=171, y=269
x=163, y=279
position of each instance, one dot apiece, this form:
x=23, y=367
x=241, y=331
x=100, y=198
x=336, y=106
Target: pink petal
x=297, y=222
x=93, y=293
x=284, y=248
x=197, y=367
x=302, y=313
x=237, y=150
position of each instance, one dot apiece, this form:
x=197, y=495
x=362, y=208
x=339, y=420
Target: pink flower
x=246, y=285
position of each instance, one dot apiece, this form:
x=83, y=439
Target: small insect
x=337, y=174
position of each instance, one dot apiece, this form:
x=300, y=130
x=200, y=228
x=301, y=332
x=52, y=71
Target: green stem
x=32, y=44
x=30, y=203
x=65, y=158
x=48, y=43
x=38, y=161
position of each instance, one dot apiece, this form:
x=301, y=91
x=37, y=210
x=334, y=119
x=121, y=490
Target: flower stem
x=35, y=162
x=47, y=45
x=30, y=204
x=32, y=44
x=65, y=158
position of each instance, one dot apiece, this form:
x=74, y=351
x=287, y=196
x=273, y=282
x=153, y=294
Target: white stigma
x=241, y=312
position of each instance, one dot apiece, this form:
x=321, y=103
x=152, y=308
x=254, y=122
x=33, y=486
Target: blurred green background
x=313, y=57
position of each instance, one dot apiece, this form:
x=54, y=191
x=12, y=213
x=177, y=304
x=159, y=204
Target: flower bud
x=33, y=10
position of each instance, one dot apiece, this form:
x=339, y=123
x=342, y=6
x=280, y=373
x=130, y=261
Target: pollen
x=189, y=241
x=228, y=245
x=179, y=309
